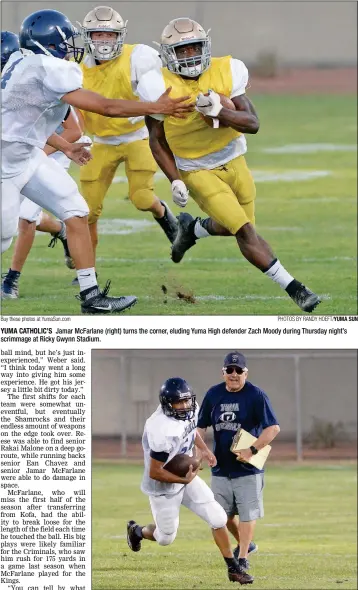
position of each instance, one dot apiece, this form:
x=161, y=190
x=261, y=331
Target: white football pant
x=198, y=497
x=45, y=183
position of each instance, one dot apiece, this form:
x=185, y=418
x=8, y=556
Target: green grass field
x=306, y=540
x=311, y=225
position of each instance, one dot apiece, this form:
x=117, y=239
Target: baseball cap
x=235, y=359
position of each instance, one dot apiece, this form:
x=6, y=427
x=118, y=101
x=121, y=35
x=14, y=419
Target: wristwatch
x=253, y=450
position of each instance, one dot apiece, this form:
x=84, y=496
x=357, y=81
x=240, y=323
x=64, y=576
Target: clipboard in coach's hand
x=244, y=440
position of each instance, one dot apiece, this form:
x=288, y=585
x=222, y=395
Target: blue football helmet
x=9, y=44
x=50, y=32
x=176, y=390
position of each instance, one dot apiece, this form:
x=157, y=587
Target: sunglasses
x=230, y=370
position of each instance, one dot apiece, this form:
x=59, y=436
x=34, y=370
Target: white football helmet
x=103, y=19
x=184, y=31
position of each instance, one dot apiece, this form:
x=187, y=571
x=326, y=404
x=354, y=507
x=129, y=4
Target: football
x=180, y=464
x=227, y=103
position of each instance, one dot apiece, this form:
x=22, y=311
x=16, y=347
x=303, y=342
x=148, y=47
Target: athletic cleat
x=134, y=542
x=10, y=285
x=237, y=574
x=185, y=237
x=62, y=236
x=253, y=548
x=168, y=223
x=94, y=301
x=303, y=297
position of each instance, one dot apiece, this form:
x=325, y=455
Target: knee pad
x=77, y=208
x=9, y=227
x=217, y=516
x=163, y=538
x=142, y=198
x=5, y=244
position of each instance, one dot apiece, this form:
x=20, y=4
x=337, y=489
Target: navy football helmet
x=9, y=44
x=176, y=390
x=50, y=32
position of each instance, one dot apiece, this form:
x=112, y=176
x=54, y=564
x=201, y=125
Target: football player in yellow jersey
x=114, y=68
x=208, y=161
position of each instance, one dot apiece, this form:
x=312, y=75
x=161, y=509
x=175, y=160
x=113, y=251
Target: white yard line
x=124, y=226
x=261, y=175
x=310, y=148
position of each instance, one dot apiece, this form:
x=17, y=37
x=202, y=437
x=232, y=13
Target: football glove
x=180, y=193
x=209, y=104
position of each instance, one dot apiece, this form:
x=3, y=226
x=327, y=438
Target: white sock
x=279, y=275
x=200, y=231
x=86, y=278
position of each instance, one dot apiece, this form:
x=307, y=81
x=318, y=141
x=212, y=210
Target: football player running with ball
x=114, y=68
x=208, y=160
x=171, y=431
x=37, y=89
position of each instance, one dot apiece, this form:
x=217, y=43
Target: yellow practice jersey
x=192, y=137
x=113, y=80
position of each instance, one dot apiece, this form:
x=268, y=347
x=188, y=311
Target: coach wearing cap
x=238, y=486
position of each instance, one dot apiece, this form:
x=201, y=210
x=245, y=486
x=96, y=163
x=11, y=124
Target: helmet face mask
x=176, y=390
x=103, y=19
x=180, y=33
x=51, y=33
x=190, y=67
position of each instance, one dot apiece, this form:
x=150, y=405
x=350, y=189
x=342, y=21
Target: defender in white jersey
x=33, y=218
x=37, y=90
x=171, y=431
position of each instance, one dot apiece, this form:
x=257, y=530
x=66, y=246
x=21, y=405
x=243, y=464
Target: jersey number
x=6, y=77
x=188, y=446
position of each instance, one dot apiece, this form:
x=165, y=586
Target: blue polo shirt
x=226, y=412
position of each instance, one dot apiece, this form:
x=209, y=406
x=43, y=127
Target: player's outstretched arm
x=244, y=119
x=96, y=103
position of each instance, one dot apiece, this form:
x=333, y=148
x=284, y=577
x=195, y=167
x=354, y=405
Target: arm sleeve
x=240, y=77
x=265, y=414
x=150, y=87
x=204, y=419
x=62, y=77
x=143, y=59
